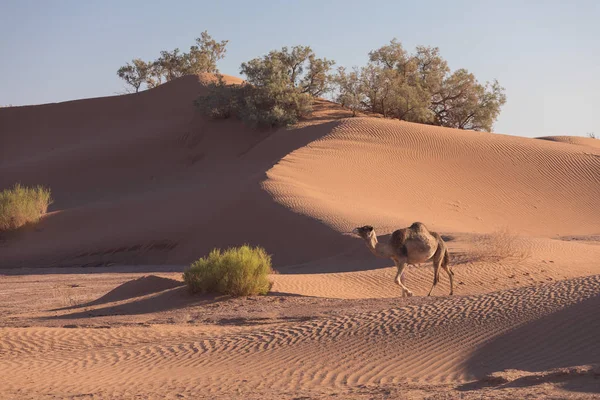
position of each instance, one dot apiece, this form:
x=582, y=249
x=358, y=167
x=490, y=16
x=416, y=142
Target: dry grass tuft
x=22, y=205
x=499, y=245
x=67, y=297
x=238, y=271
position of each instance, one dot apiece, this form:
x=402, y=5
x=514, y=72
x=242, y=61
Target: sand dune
x=144, y=184
x=390, y=173
x=138, y=154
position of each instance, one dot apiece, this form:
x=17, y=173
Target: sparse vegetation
x=238, y=271
x=69, y=296
x=22, y=205
x=500, y=245
x=202, y=57
x=592, y=135
x=298, y=68
x=419, y=87
x=280, y=89
x=281, y=86
x=135, y=74
x=262, y=107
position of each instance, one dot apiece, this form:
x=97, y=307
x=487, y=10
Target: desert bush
x=22, y=205
x=268, y=106
x=237, y=271
x=500, y=245
x=280, y=89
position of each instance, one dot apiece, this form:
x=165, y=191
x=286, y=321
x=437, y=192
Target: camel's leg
x=437, y=262
x=451, y=276
x=400, y=265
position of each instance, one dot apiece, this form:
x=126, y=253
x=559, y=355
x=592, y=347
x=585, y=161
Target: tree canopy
x=202, y=57
x=298, y=68
x=419, y=87
x=279, y=89
x=280, y=86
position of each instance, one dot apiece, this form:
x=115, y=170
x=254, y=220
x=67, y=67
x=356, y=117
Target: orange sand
x=143, y=185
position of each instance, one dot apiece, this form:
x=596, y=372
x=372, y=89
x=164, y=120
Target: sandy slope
x=578, y=140
x=390, y=173
x=144, y=181
x=143, y=178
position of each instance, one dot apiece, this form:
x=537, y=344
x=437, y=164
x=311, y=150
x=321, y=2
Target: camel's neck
x=378, y=249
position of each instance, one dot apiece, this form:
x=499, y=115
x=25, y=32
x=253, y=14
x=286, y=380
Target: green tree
x=268, y=106
x=279, y=89
x=464, y=103
x=401, y=81
x=419, y=87
x=350, y=92
x=135, y=74
x=202, y=57
x=171, y=65
x=298, y=68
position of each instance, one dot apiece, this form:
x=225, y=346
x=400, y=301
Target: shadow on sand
x=564, y=339
x=135, y=288
x=170, y=294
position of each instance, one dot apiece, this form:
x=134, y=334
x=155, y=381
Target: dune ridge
x=152, y=151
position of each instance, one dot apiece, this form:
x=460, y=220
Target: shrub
x=268, y=107
x=238, y=271
x=22, y=205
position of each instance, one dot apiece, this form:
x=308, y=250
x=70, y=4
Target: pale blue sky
x=545, y=53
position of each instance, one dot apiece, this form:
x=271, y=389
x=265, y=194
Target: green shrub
x=270, y=106
x=22, y=205
x=238, y=271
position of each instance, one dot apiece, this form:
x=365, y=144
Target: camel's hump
x=418, y=227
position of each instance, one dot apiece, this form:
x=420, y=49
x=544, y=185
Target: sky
x=546, y=54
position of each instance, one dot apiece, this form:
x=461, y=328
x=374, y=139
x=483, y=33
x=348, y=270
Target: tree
x=419, y=87
x=135, y=74
x=279, y=89
x=350, y=91
x=299, y=69
x=258, y=106
x=464, y=103
x=403, y=81
x=171, y=65
x=202, y=57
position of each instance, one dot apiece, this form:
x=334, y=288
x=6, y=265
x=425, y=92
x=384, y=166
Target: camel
x=412, y=245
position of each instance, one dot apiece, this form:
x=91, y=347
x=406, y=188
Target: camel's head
x=365, y=232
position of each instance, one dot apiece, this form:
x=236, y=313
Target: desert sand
x=92, y=303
